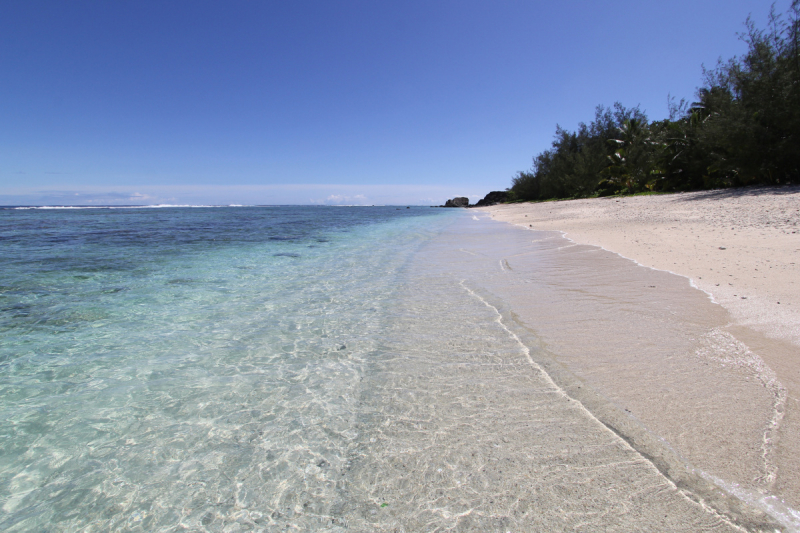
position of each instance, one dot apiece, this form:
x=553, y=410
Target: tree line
x=744, y=129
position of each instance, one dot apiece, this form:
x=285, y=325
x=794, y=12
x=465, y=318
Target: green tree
x=743, y=129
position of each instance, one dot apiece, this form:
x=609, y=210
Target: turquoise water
x=172, y=366
x=338, y=369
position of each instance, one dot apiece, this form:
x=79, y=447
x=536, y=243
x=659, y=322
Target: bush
x=743, y=129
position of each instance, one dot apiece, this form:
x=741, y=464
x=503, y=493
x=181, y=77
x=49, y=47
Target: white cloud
x=341, y=199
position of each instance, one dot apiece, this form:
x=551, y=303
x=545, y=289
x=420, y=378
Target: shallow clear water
x=331, y=369
x=168, y=366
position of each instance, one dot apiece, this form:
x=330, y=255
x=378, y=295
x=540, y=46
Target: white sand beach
x=742, y=248
x=741, y=245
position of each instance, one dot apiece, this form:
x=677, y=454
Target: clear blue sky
x=326, y=102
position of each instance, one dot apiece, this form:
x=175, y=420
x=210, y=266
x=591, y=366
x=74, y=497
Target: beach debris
x=722, y=248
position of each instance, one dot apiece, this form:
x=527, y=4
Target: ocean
x=330, y=369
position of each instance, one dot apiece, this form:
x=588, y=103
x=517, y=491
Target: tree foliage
x=743, y=129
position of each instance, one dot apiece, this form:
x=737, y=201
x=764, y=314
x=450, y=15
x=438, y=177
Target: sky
x=326, y=102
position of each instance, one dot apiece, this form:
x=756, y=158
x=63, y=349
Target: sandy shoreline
x=742, y=247
x=474, y=425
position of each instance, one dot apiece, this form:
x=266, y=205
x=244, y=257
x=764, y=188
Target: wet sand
x=717, y=385
x=469, y=425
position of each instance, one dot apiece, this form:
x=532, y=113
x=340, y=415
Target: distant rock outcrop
x=458, y=201
x=493, y=198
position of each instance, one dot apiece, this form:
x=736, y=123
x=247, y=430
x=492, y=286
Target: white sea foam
x=788, y=517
